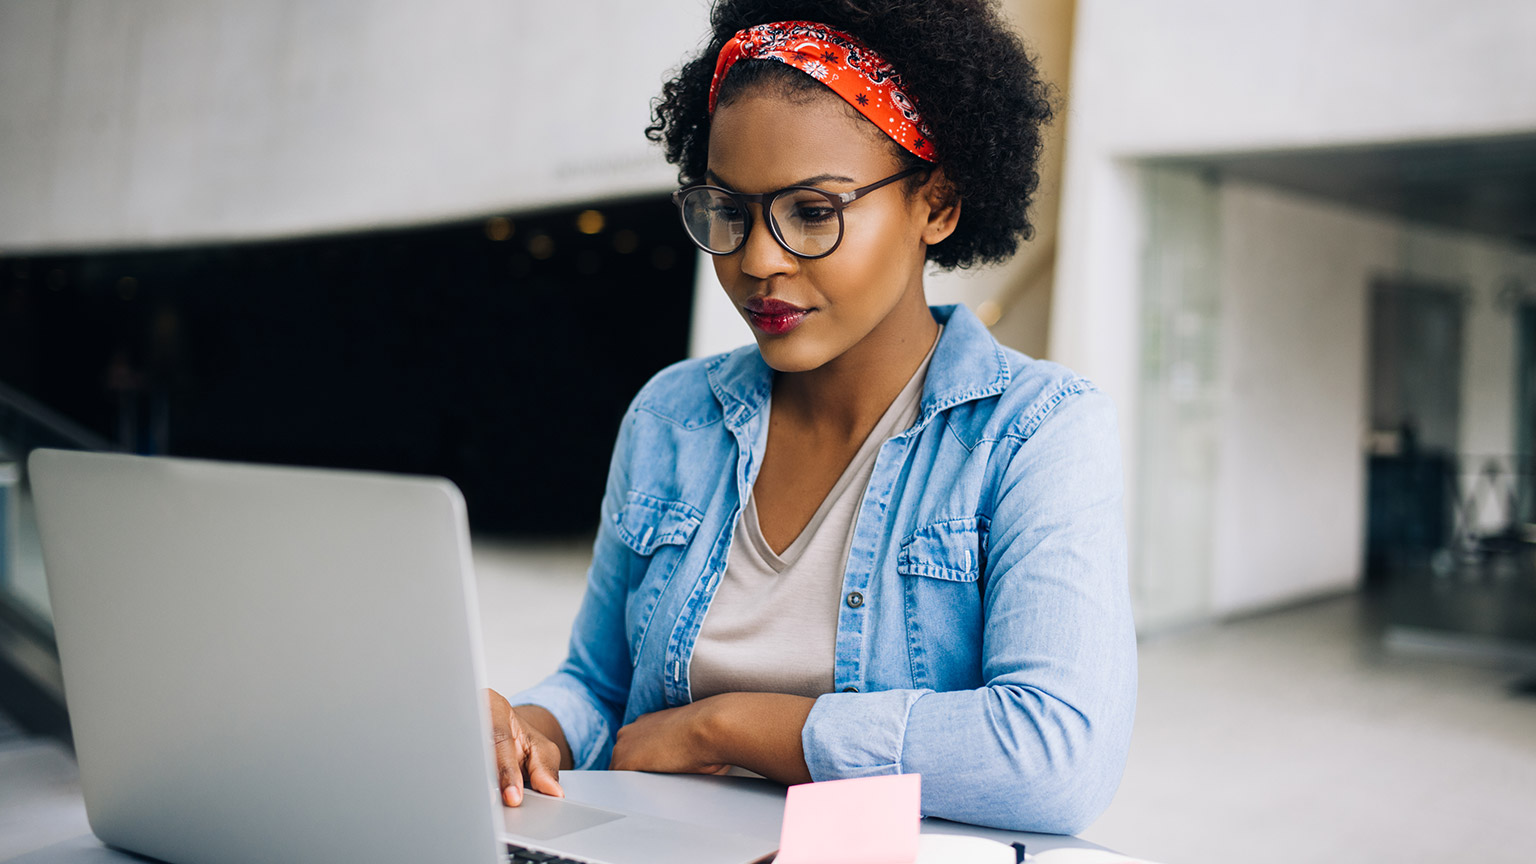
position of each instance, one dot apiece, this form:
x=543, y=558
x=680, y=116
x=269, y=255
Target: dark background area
x=500, y=353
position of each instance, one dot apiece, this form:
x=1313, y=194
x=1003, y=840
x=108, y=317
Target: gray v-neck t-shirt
x=772, y=625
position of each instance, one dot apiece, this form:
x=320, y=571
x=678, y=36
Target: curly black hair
x=966, y=71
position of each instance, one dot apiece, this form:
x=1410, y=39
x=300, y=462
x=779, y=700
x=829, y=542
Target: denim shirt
x=985, y=637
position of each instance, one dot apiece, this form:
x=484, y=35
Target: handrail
x=63, y=431
x=29, y=657
x=1491, y=491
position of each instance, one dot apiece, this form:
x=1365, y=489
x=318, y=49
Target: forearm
x=545, y=724
x=1044, y=765
x=759, y=732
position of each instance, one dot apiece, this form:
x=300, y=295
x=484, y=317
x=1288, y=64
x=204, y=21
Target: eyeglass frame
x=837, y=200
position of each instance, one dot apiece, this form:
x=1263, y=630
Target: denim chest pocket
x=658, y=529
x=949, y=550
x=941, y=565
x=647, y=522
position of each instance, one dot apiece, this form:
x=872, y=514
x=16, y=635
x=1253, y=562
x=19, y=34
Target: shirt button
x=855, y=600
x=850, y=689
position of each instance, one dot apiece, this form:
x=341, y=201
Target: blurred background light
x=499, y=228
x=589, y=221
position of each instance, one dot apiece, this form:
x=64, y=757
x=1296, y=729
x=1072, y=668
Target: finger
x=504, y=743
x=544, y=769
x=543, y=778
x=509, y=770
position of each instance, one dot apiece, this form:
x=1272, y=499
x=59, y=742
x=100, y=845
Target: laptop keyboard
x=519, y=855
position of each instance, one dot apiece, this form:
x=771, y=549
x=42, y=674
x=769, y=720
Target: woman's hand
x=756, y=731
x=525, y=754
x=673, y=741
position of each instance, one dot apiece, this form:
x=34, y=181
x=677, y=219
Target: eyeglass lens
x=807, y=222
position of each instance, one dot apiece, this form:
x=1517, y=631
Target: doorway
x=1525, y=417
x=1415, y=408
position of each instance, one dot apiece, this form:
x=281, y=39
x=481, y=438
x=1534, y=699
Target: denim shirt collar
x=967, y=364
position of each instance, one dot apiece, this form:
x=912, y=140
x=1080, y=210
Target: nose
x=761, y=255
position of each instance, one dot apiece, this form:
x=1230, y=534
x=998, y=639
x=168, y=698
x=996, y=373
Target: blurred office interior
x=1295, y=242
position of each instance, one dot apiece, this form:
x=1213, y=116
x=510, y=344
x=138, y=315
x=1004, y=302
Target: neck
x=844, y=398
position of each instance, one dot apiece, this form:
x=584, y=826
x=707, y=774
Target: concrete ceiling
x=1486, y=185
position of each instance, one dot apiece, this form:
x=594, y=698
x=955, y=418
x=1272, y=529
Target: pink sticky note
x=866, y=820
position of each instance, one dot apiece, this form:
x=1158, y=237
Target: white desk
x=39, y=796
x=685, y=795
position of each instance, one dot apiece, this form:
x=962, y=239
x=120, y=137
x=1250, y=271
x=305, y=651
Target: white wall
x=160, y=122
x=1296, y=275
x=1201, y=75
x=1295, y=328
x=1191, y=77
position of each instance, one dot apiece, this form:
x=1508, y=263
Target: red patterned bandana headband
x=841, y=62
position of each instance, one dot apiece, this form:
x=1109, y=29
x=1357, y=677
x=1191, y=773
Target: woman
x=876, y=541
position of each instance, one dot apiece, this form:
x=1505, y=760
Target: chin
x=783, y=357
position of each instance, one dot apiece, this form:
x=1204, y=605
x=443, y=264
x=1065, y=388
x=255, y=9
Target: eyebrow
x=809, y=181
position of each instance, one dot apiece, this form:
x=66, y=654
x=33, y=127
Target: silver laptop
x=276, y=664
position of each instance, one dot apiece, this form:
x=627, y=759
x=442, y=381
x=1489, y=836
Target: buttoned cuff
x=586, y=729
x=857, y=734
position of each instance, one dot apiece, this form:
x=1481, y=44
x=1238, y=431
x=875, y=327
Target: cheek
x=878, y=249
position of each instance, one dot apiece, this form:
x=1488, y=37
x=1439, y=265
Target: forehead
x=764, y=141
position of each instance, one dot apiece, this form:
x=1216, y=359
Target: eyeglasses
x=805, y=220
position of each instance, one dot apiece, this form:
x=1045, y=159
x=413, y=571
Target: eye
x=811, y=213
x=724, y=208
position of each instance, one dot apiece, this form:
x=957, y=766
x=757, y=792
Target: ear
x=943, y=207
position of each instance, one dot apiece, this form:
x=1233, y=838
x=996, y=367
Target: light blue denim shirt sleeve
x=986, y=642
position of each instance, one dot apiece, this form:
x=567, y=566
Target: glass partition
x=1179, y=398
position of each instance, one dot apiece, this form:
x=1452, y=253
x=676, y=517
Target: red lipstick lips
x=774, y=317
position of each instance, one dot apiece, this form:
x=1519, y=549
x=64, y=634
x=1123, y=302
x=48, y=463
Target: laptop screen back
x=268, y=664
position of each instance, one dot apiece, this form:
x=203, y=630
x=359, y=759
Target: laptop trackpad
x=543, y=818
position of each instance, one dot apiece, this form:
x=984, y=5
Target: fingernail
x=514, y=795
